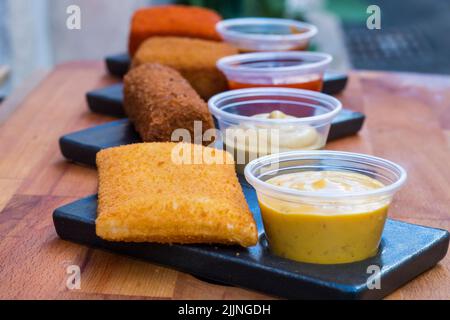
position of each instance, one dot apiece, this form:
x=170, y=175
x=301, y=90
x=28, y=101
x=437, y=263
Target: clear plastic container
x=248, y=132
x=266, y=34
x=324, y=227
x=301, y=70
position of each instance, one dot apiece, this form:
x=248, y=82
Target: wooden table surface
x=408, y=121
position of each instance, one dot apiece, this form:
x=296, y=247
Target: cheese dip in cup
x=266, y=34
x=324, y=207
x=260, y=121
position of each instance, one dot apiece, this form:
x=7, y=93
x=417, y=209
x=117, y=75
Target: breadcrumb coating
x=158, y=100
x=195, y=59
x=145, y=197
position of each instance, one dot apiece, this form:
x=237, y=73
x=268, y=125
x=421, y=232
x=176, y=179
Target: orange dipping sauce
x=315, y=85
x=288, y=69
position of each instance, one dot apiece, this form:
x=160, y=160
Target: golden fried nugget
x=144, y=196
x=158, y=100
x=195, y=59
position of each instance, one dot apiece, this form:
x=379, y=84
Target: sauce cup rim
x=335, y=104
x=267, y=188
x=222, y=28
x=226, y=64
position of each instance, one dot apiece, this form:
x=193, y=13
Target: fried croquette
x=195, y=59
x=158, y=100
x=145, y=197
x=172, y=20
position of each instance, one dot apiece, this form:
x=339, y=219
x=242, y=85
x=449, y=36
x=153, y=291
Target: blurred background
x=414, y=34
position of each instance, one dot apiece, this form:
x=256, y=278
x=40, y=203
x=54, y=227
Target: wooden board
x=407, y=122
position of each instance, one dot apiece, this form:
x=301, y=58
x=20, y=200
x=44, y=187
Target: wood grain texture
x=407, y=121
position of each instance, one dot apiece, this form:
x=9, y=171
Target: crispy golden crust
x=172, y=20
x=145, y=196
x=195, y=59
x=159, y=100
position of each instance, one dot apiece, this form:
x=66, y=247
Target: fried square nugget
x=144, y=196
x=172, y=20
x=195, y=59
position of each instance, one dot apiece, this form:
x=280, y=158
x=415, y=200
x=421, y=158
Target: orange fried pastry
x=172, y=20
x=144, y=196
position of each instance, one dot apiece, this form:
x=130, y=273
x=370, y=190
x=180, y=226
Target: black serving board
x=82, y=146
x=108, y=100
x=118, y=65
x=406, y=251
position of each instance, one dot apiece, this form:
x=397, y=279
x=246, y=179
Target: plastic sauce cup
x=324, y=227
x=301, y=70
x=248, y=135
x=266, y=34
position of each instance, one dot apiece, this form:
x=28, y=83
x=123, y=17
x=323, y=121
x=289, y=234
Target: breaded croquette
x=158, y=100
x=172, y=20
x=145, y=197
x=195, y=59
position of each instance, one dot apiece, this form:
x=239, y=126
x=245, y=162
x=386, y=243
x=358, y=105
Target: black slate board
x=118, y=65
x=406, y=251
x=108, y=100
x=82, y=146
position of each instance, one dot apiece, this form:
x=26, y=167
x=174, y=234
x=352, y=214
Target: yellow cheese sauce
x=324, y=231
x=248, y=141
